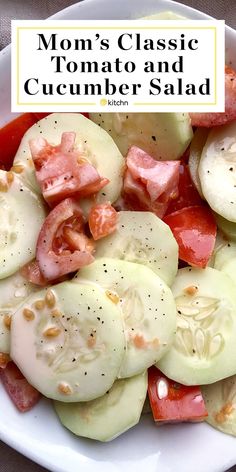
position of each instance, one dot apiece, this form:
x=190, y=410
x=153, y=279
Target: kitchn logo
x=117, y=103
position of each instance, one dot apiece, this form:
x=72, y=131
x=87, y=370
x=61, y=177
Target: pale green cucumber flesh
x=220, y=401
x=143, y=238
x=109, y=416
x=72, y=351
x=203, y=351
x=22, y=214
x=149, y=131
x=147, y=305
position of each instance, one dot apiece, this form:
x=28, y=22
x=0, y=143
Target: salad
x=117, y=274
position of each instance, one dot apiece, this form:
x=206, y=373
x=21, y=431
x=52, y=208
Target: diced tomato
x=215, y=119
x=194, y=229
x=40, y=116
x=188, y=194
x=23, y=395
x=172, y=402
x=59, y=252
x=62, y=172
x=32, y=273
x=102, y=220
x=10, y=137
x=149, y=184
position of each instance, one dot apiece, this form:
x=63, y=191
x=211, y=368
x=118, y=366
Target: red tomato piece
x=172, y=402
x=10, y=138
x=102, y=220
x=31, y=272
x=56, y=256
x=149, y=184
x=188, y=194
x=23, y=395
x=61, y=172
x=194, y=229
x=215, y=119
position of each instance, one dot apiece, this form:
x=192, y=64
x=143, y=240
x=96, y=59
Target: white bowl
x=38, y=434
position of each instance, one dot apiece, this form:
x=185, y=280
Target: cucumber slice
x=225, y=253
x=217, y=170
x=21, y=216
x=93, y=142
x=149, y=131
x=229, y=268
x=220, y=243
x=148, y=309
x=220, y=400
x=196, y=148
x=204, y=348
x=70, y=349
x=143, y=238
x=109, y=416
x=13, y=291
x=227, y=227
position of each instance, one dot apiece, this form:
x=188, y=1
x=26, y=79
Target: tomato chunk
x=58, y=250
x=62, y=172
x=188, y=194
x=10, y=137
x=215, y=119
x=23, y=395
x=32, y=273
x=172, y=402
x=194, y=229
x=102, y=220
x=149, y=184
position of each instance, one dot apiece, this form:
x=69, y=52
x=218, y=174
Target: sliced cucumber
x=70, y=349
x=13, y=291
x=225, y=253
x=147, y=305
x=217, y=170
x=108, y=416
x=196, y=148
x=229, y=268
x=143, y=238
x=204, y=348
x=21, y=216
x=94, y=144
x=220, y=399
x=149, y=131
x=227, y=227
x=220, y=243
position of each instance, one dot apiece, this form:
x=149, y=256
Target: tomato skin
x=61, y=172
x=11, y=135
x=149, y=185
x=102, y=220
x=188, y=194
x=194, y=229
x=31, y=272
x=54, y=255
x=209, y=120
x=23, y=395
x=175, y=402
